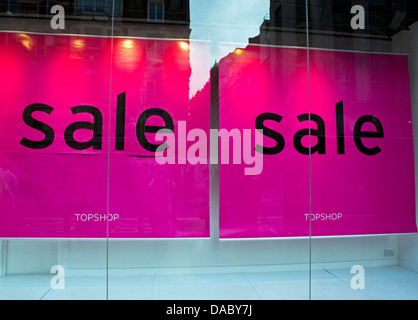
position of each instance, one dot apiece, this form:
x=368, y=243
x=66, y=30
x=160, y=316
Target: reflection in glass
x=207, y=231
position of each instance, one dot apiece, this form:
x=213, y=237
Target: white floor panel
x=383, y=283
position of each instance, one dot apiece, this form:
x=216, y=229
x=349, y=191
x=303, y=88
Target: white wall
x=29, y=256
x=35, y=257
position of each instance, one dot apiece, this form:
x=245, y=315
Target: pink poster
x=337, y=144
x=78, y=123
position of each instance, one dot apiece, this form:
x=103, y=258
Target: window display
x=209, y=150
x=346, y=139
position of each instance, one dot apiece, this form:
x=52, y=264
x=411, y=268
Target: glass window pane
x=363, y=217
x=196, y=231
x=212, y=150
x=53, y=163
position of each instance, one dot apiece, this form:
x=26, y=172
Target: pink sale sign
x=78, y=123
x=338, y=154
x=83, y=120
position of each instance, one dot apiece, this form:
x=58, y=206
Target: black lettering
x=340, y=128
x=141, y=128
x=358, y=134
x=120, y=122
x=259, y=125
x=319, y=133
x=96, y=127
x=38, y=125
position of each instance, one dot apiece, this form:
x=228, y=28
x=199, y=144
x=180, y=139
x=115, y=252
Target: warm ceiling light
x=184, y=45
x=79, y=44
x=26, y=41
x=238, y=51
x=128, y=44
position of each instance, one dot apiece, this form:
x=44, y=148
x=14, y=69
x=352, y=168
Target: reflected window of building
x=8, y=6
x=44, y=7
x=99, y=7
x=155, y=11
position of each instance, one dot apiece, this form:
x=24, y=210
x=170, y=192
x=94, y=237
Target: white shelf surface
x=381, y=283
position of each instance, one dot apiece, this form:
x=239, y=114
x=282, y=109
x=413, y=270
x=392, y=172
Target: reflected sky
x=221, y=22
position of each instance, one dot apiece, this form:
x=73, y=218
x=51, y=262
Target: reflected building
x=329, y=23
x=134, y=18
x=154, y=19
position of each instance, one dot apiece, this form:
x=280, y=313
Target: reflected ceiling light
x=238, y=51
x=128, y=55
x=26, y=41
x=128, y=44
x=184, y=45
x=79, y=44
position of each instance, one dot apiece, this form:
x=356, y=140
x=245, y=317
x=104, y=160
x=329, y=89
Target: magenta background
x=42, y=190
x=47, y=187
x=375, y=194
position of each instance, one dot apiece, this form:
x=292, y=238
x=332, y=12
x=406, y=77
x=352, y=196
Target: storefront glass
x=210, y=150
x=363, y=68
